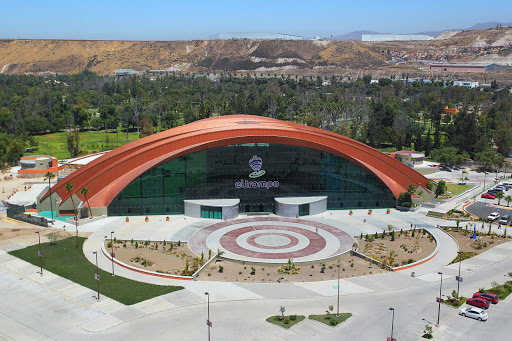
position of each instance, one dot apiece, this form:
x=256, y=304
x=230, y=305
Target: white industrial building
x=395, y=37
x=466, y=84
x=258, y=35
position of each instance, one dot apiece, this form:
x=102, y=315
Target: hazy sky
x=199, y=19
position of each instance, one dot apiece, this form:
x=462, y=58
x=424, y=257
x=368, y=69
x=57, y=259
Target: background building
x=394, y=37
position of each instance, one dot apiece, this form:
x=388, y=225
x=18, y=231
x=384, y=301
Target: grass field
x=454, y=189
x=331, y=319
x=287, y=321
x=90, y=142
x=65, y=260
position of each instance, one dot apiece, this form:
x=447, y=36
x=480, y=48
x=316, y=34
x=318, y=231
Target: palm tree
x=507, y=165
x=50, y=176
x=69, y=187
x=499, y=196
x=508, y=198
x=84, y=191
x=464, y=177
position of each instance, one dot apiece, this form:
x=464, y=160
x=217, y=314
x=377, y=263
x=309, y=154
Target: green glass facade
x=225, y=172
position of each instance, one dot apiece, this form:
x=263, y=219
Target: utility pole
x=40, y=253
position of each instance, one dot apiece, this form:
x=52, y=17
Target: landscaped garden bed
x=397, y=248
x=472, y=247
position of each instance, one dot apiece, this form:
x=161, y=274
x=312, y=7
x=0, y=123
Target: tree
x=69, y=187
x=441, y=188
x=282, y=310
x=50, y=176
x=508, y=198
x=84, y=191
x=73, y=142
x=499, y=196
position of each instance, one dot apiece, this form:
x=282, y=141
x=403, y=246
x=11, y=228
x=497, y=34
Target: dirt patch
x=157, y=257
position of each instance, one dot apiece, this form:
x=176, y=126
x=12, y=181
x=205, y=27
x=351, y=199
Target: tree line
x=390, y=113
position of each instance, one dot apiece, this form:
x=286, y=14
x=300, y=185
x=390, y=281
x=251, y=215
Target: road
x=31, y=311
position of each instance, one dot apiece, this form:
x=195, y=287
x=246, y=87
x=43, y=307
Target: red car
x=487, y=296
x=478, y=302
x=487, y=196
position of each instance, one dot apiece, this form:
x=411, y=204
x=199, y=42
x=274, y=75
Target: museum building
x=222, y=166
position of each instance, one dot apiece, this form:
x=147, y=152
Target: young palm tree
x=84, y=191
x=50, y=176
x=69, y=187
x=499, y=196
x=508, y=198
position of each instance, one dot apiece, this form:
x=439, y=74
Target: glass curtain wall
x=256, y=173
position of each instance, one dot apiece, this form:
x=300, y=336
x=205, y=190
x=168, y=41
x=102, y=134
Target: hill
x=103, y=57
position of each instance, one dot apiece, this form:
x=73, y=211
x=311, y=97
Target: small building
x=37, y=165
x=450, y=111
x=410, y=158
x=124, y=73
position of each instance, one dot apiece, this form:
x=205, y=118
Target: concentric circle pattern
x=272, y=240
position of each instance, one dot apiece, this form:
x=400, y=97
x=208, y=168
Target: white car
x=475, y=313
x=493, y=216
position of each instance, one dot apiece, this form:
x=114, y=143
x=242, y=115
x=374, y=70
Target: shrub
x=221, y=269
x=392, y=236
x=53, y=237
x=136, y=245
x=293, y=317
x=179, y=242
x=333, y=322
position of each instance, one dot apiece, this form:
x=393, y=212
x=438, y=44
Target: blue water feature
x=48, y=214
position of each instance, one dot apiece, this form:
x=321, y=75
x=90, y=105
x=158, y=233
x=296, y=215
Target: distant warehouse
x=468, y=68
x=257, y=35
x=395, y=37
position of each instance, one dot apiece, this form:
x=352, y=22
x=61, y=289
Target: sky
x=200, y=19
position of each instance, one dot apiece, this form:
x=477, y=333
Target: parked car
x=478, y=302
x=487, y=196
x=493, y=216
x=495, y=190
x=504, y=219
x=487, y=296
x=475, y=313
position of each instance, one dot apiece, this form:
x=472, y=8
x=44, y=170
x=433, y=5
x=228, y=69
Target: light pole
x=458, y=278
x=208, y=323
x=440, y=288
x=392, y=322
x=112, y=249
x=97, y=274
x=338, y=309
x=485, y=175
x=40, y=253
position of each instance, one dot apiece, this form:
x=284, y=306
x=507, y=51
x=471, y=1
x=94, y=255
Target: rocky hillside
x=103, y=57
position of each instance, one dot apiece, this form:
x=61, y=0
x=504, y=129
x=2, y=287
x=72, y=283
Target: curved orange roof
x=106, y=176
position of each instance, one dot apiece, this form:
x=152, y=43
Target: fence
x=18, y=212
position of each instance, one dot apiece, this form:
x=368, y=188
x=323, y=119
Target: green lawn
x=331, y=319
x=90, y=142
x=65, y=260
x=454, y=189
x=287, y=321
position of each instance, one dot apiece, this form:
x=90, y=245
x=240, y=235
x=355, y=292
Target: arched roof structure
x=106, y=176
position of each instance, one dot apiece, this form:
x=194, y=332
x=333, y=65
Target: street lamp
x=458, y=278
x=112, y=249
x=40, y=253
x=338, y=309
x=440, y=288
x=392, y=322
x=97, y=274
x=208, y=323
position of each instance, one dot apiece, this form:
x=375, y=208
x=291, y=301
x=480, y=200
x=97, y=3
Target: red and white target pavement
x=272, y=240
